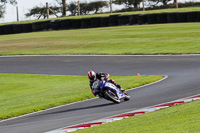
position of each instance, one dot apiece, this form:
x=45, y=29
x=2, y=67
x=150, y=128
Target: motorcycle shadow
x=83, y=108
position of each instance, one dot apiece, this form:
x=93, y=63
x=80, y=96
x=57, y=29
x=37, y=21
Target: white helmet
x=91, y=75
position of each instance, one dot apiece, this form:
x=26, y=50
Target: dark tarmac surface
x=183, y=80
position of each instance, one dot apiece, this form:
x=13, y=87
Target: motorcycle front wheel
x=111, y=96
x=127, y=97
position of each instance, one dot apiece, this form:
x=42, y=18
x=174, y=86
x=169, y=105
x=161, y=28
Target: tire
x=181, y=17
x=198, y=16
x=17, y=28
x=36, y=26
x=85, y=23
x=172, y=17
x=123, y=20
x=113, y=20
x=152, y=18
x=192, y=17
x=104, y=21
x=112, y=97
x=76, y=23
x=95, y=22
x=127, y=97
x=1, y=30
x=27, y=27
x=133, y=19
x=55, y=24
x=66, y=24
x=142, y=19
x=162, y=18
x=8, y=29
x=45, y=25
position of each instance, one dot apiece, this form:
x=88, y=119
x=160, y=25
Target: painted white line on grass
x=165, y=77
x=125, y=115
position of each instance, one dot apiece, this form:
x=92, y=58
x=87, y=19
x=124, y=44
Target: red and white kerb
x=125, y=115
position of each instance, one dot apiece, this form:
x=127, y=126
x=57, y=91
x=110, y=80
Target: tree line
x=85, y=7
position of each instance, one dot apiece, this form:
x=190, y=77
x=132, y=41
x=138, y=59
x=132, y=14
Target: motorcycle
x=109, y=91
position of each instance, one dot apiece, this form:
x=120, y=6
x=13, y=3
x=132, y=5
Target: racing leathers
x=104, y=76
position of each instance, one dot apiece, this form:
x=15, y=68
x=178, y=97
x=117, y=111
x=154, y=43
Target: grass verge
x=183, y=118
x=185, y=9
x=21, y=94
x=182, y=38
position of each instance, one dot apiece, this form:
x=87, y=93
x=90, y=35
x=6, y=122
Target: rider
x=101, y=76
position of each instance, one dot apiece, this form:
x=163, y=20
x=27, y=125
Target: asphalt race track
x=183, y=80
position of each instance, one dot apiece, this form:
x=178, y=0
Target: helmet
x=91, y=75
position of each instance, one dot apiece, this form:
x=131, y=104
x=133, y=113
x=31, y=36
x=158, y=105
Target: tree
x=41, y=11
x=86, y=8
x=1, y=12
x=128, y=3
x=164, y=2
x=72, y=7
x=64, y=6
x=97, y=5
x=2, y=5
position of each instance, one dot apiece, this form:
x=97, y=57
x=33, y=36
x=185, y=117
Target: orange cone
x=138, y=74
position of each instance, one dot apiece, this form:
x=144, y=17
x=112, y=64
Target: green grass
x=177, y=119
x=21, y=94
x=182, y=38
x=186, y=9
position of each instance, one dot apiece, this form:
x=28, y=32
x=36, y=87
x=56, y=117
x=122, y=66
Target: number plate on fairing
x=110, y=85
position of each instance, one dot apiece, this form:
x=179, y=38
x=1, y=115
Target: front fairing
x=104, y=85
x=113, y=88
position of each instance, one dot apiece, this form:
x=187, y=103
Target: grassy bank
x=182, y=38
x=186, y=9
x=21, y=94
x=177, y=119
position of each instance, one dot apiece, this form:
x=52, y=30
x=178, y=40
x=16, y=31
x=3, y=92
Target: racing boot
x=120, y=88
x=100, y=96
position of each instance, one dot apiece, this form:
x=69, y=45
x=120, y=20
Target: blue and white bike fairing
x=100, y=86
